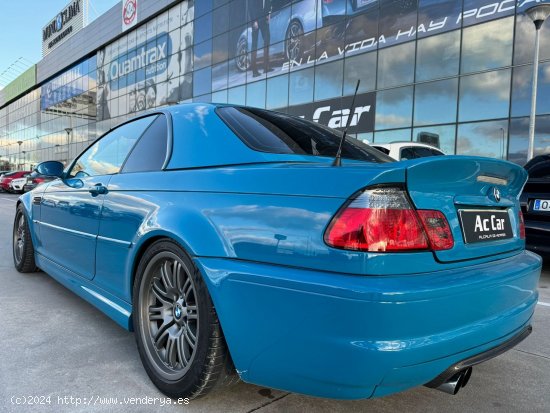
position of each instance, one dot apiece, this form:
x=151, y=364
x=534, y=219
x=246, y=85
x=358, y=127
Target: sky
x=21, y=27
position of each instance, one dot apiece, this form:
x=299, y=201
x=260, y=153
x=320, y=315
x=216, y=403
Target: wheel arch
x=144, y=244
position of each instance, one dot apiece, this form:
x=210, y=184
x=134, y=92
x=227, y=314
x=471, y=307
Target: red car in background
x=7, y=178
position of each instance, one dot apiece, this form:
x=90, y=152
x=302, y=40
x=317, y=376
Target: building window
x=519, y=138
x=487, y=46
x=394, y=108
x=301, y=87
x=442, y=137
x=361, y=67
x=438, y=56
x=436, y=102
x=396, y=65
x=400, y=135
x=483, y=139
x=522, y=87
x=255, y=94
x=277, y=92
x=328, y=80
x=485, y=96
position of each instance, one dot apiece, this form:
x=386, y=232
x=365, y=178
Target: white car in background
x=401, y=151
x=17, y=185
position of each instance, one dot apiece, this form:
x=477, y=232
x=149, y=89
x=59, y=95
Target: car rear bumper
x=341, y=336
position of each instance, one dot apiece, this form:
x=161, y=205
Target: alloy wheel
x=19, y=239
x=169, y=315
x=241, y=58
x=294, y=40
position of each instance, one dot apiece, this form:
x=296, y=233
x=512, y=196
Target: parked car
x=35, y=179
x=535, y=203
x=16, y=185
x=407, y=150
x=229, y=241
x=7, y=178
x=288, y=23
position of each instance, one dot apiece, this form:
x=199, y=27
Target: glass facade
x=457, y=70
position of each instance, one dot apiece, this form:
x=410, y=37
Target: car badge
x=496, y=194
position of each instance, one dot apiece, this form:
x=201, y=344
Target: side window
x=422, y=152
x=407, y=153
x=149, y=153
x=105, y=157
x=435, y=152
x=383, y=150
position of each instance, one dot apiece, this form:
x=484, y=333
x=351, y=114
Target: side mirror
x=50, y=168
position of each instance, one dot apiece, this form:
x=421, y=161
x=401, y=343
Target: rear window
x=275, y=132
x=381, y=149
x=414, y=152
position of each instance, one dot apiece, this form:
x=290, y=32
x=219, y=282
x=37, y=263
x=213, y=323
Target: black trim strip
x=480, y=358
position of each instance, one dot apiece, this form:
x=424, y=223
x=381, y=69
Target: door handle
x=97, y=189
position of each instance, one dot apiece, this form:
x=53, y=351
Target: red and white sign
x=129, y=14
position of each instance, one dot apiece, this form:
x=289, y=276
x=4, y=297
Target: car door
x=70, y=208
x=127, y=206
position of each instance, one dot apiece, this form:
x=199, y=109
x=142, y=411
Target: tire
x=23, y=249
x=242, y=59
x=172, y=313
x=294, y=41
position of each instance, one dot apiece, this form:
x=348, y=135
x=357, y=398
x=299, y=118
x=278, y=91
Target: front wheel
x=178, y=334
x=294, y=41
x=23, y=249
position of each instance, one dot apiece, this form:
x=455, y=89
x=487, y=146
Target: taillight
x=521, y=225
x=437, y=228
x=383, y=220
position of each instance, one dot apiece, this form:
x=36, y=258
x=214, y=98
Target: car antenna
x=338, y=159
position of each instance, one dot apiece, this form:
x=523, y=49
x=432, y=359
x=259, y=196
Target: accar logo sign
x=129, y=14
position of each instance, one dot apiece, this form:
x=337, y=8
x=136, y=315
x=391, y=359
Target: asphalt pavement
x=60, y=354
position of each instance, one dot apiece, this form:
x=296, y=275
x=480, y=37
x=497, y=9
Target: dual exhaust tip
x=455, y=382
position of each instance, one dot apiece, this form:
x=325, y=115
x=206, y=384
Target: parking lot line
x=543, y=304
x=9, y=199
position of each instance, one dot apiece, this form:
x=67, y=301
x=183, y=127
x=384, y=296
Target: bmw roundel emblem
x=496, y=194
x=177, y=312
x=58, y=22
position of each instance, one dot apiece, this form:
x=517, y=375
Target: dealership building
x=456, y=73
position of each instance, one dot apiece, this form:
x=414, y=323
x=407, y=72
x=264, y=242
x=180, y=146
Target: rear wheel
x=178, y=334
x=23, y=249
x=242, y=59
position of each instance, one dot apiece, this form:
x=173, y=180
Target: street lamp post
x=68, y=130
x=19, y=159
x=24, y=159
x=538, y=14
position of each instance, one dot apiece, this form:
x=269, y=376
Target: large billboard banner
x=148, y=67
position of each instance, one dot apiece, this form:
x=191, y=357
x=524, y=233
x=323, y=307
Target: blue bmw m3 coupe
x=226, y=238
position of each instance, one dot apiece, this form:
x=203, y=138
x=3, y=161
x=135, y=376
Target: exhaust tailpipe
x=456, y=382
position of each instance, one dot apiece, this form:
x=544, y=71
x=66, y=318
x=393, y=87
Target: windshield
x=274, y=132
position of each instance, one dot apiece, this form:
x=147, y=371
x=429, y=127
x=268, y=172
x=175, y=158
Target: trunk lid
x=479, y=197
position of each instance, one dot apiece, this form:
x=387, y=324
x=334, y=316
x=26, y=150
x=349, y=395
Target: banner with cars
x=310, y=32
